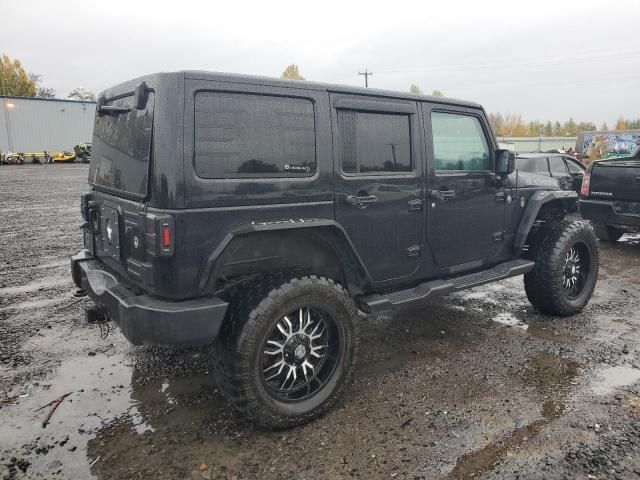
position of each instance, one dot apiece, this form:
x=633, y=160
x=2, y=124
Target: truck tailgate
x=616, y=180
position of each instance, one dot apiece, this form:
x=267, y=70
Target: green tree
x=604, y=126
x=82, y=94
x=437, y=93
x=292, y=73
x=557, y=129
x=621, y=124
x=14, y=79
x=548, y=129
x=415, y=89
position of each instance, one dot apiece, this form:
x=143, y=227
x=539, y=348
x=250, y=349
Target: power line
x=366, y=74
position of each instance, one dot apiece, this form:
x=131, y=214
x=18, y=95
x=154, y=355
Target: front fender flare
x=534, y=205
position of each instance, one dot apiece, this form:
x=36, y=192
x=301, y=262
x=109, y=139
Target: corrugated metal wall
x=36, y=124
x=538, y=144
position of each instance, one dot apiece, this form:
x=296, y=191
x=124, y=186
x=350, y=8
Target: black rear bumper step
x=375, y=302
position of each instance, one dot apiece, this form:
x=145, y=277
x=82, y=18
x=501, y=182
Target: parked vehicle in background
x=83, y=152
x=64, y=157
x=266, y=212
x=564, y=168
x=599, y=145
x=610, y=196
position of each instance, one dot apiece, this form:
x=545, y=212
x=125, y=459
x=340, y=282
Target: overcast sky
x=543, y=59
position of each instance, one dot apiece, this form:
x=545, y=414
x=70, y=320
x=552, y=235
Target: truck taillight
x=584, y=191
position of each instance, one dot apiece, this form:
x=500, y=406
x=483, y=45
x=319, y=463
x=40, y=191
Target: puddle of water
x=480, y=461
x=612, y=378
x=510, y=320
x=107, y=391
x=550, y=372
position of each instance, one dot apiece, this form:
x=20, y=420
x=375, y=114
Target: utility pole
x=366, y=74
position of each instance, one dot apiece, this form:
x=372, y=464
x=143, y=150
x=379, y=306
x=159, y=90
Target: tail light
x=586, y=180
x=166, y=236
x=160, y=237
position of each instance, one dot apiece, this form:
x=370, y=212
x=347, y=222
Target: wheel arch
x=317, y=247
x=539, y=205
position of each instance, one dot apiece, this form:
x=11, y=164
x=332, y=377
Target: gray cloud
x=546, y=60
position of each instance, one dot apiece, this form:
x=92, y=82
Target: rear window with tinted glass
x=121, y=147
x=247, y=135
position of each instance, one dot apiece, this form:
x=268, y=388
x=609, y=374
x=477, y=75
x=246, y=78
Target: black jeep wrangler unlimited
x=263, y=214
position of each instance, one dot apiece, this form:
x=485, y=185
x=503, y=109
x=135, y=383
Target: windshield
x=121, y=148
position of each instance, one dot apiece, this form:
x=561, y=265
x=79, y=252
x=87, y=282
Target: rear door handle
x=442, y=195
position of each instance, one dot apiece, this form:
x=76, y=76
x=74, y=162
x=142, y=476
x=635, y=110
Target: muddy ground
x=473, y=385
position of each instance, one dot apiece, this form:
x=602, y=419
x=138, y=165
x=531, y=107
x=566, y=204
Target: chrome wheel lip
x=299, y=354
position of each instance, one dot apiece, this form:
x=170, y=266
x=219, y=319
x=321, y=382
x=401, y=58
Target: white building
x=37, y=124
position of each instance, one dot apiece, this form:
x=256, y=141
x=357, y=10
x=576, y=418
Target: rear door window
x=557, y=166
x=245, y=135
x=374, y=142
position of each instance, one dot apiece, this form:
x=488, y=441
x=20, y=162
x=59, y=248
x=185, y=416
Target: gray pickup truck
x=610, y=196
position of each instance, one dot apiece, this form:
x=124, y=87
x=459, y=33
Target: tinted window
x=374, y=142
x=557, y=166
x=459, y=142
x=122, y=147
x=242, y=135
x=574, y=168
x=537, y=165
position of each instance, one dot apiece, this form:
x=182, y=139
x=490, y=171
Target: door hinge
x=498, y=236
x=415, y=205
x=414, y=251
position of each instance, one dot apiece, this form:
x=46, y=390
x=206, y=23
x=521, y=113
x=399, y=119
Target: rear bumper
x=604, y=212
x=144, y=319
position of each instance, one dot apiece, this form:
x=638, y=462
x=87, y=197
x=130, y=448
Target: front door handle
x=442, y=195
x=361, y=202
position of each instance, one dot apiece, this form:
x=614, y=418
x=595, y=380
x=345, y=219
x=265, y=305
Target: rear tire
x=566, y=269
x=607, y=234
x=286, y=356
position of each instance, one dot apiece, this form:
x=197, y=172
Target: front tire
x=285, y=357
x=566, y=270
x=607, y=234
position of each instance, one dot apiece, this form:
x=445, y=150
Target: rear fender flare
x=329, y=232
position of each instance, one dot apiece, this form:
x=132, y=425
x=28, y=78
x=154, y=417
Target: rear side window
x=374, y=142
x=459, y=142
x=245, y=135
x=573, y=168
x=557, y=166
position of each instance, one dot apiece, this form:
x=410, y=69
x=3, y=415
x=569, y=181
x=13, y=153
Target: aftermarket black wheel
x=607, y=234
x=286, y=357
x=566, y=270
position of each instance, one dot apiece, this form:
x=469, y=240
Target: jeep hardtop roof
x=304, y=84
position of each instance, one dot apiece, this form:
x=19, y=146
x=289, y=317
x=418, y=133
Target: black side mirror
x=505, y=162
x=140, y=96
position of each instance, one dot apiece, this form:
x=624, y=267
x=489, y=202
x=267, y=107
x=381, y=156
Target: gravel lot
x=473, y=385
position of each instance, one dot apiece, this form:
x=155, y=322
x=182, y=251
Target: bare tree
x=81, y=94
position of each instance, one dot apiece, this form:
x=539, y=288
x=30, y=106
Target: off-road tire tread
x=232, y=366
x=543, y=284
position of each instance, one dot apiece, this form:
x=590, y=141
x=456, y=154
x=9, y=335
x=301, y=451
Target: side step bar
x=375, y=302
